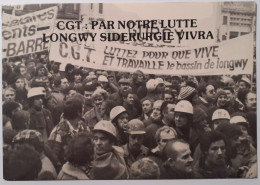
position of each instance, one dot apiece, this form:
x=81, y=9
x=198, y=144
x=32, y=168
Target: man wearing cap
x=40, y=118
x=109, y=160
x=124, y=86
x=246, y=151
x=188, y=93
x=155, y=89
x=94, y=115
x=106, y=85
x=34, y=139
x=71, y=124
x=138, y=84
x=244, y=83
x=176, y=82
x=134, y=149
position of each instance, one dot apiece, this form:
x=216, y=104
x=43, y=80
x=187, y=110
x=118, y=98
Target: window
x=243, y=33
x=224, y=20
x=233, y=34
x=68, y=11
x=224, y=37
x=100, y=8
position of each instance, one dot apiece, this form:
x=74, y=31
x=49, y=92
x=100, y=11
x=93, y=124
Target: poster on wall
x=123, y=91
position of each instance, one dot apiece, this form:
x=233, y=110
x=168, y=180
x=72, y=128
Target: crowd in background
x=81, y=123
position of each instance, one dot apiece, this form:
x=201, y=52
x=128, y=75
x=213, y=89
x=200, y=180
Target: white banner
x=24, y=34
x=234, y=56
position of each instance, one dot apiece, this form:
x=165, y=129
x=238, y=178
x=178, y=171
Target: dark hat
x=8, y=135
x=199, y=115
x=12, y=77
x=124, y=80
x=138, y=72
x=21, y=119
x=78, y=98
x=107, y=167
x=8, y=107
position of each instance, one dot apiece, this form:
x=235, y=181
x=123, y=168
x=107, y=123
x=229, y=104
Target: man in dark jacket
x=40, y=118
x=134, y=149
x=215, y=160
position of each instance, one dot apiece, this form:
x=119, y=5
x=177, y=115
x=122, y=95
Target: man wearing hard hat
x=218, y=117
x=40, y=118
x=183, y=119
x=109, y=160
x=134, y=149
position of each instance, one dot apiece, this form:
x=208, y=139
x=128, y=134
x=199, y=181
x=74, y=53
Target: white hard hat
x=167, y=84
x=106, y=126
x=36, y=91
x=116, y=111
x=102, y=78
x=151, y=85
x=220, y=114
x=135, y=126
x=238, y=119
x=245, y=79
x=159, y=81
x=184, y=106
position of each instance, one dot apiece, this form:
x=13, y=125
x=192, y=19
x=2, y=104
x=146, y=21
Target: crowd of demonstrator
x=82, y=123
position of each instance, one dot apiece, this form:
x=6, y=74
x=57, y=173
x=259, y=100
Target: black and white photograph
x=129, y=91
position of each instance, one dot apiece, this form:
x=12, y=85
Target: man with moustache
x=215, y=161
x=250, y=102
x=134, y=149
x=177, y=160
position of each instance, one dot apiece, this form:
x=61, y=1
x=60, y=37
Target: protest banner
x=234, y=56
x=23, y=34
